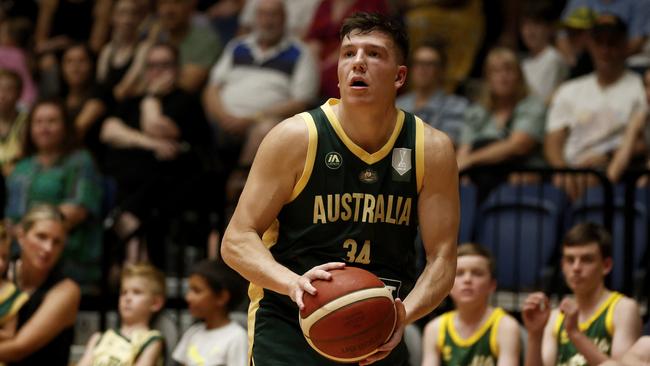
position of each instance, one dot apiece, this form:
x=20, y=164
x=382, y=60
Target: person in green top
x=54, y=171
x=581, y=331
x=347, y=184
x=475, y=333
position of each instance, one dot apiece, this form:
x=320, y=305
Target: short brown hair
x=150, y=273
x=369, y=22
x=475, y=249
x=586, y=233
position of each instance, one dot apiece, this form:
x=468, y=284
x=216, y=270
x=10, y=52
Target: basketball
x=350, y=315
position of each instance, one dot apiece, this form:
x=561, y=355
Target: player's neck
x=127, y=329
x=588, y=302
x=216, y=319
x=471, y=318
x=369, y=126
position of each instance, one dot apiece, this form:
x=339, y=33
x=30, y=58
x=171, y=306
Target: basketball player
x=638, y=355
x=346, y=184
x=590, y=327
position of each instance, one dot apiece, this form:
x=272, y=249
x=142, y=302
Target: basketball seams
x=356, y=296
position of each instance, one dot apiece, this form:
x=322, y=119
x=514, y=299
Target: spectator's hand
x=464, y=162
x=165, y=149
x=616, y=168
x=235, y=125
x=535, y=312
x=163, y=84
x=303, y=283
x=570, y=310
x=570, y=184
x=385, y=349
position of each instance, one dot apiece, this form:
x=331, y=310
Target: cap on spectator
x=609, y=25
x=580, y=18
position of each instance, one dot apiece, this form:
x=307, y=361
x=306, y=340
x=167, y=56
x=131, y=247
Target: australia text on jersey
x=362, y=207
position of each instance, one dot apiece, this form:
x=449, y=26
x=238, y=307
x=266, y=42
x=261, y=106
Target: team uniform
x=349, y=206
x=480, y=349
x=114, y=349
x=11, y=300
x=599, y=329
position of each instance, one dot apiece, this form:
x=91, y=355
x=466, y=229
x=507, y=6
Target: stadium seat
x=468, y=203
x=521, y=224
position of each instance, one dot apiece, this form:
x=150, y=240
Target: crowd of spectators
x=129, y=114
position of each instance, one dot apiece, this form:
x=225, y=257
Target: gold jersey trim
x=255, y=293
x=419, y=153
x=493, y=320
x=607, y=305
x=365, y=156
x=309, y=159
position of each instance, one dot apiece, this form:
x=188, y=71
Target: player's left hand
x=570, y=309
x=386, y=348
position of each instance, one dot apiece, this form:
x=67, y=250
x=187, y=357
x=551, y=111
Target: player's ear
x=400, y=77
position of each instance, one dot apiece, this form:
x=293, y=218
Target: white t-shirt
x=545, y=72
x=224, y=346
x=596, y=116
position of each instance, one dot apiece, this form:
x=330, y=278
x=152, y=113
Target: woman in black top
x=45, y=323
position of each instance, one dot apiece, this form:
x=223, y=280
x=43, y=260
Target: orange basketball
x=350, y=316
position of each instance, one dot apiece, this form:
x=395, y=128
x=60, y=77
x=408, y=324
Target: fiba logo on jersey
x=401, y=160
x=333, y=160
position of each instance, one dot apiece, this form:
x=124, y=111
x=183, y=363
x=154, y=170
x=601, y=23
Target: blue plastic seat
x=468, y=207
x=521, y=226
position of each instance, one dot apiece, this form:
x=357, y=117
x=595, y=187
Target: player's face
x=42, y=244
x=137, y=301
x=368, y=69
x=201, y=299
x=473, y=280
x=584, y=267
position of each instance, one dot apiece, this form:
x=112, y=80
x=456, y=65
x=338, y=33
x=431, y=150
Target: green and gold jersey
x=114, y=349
x=599, y=328
x=11, y=300
x=480, y=349
x=349, y=205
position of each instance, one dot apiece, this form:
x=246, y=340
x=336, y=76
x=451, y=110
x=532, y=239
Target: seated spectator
x=12, y=298
x=634, y=13
x=593, y=325
x=153, y=142
x=142, y=296
x=60, y=24
x=323, y=37
x=300, y=15
x=223, y=16
x=12, y=120
x=629, y=152
x=475, y=333
x=15, y=54
x=573, y=41
x=198, y=46
x=588, y=115
x=459, y=24
x=214, y=291
x=82, y=98
x=46, y=321
x=428, y=99
x=121, y=60
x=544, y=68
x=268, y=64
x=54, y=171
x=506, y=126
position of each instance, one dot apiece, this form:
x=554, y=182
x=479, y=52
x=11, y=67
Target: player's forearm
x=534, y=350
x=587, y=348
x=245, y=253
x=432, y=287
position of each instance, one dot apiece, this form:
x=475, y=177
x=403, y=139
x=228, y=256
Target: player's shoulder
x=509, y=324
x=436, y=139
x=434, y=325
x=292, y=132
x=626, y=306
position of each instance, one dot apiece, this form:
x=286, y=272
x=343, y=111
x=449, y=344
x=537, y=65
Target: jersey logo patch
x=368, y=176
x=401, y=163
x=393, y=285
x=333, y=160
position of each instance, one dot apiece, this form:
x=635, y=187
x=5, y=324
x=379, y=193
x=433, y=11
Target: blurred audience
x=12, y=120
x=223, y=16
x=323, y=37
x=427, y=98
x=56, y=172
x=576, y=29
x=300, y=15
x=15, y=55
x=459, y=25
x=198, y=46
x=506, y=126
x=543, y=66
x=588, y=115
x=272, y=66
x=45, y=323
x=152, y=142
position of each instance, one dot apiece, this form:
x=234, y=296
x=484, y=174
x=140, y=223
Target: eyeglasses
x=160, y=65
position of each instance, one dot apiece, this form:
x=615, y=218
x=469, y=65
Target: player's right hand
x=303, y=284
x=535, y=312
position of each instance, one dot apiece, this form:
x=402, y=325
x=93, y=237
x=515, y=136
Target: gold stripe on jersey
x=354, y=148
x=609, y=318
x=419, y=152
x=309, y=159
x=612, y=299
x=494, y=332
x=255, y=293
x=495, y=316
